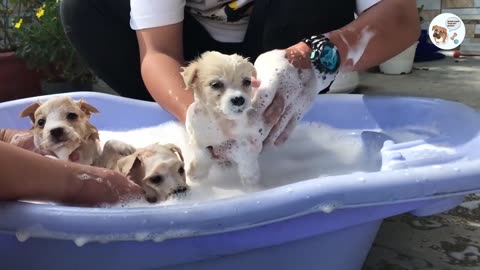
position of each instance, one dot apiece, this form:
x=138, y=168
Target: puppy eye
x=157, y=180
x=216, y=85
x=41, y=122
x=72, y=116
x=181, y=170
x=247, y=82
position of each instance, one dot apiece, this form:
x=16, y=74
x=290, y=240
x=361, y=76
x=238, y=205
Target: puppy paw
x=118, y=147
x=198, y=171
x=250, y=182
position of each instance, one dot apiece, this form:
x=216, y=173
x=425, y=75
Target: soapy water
x=312, y=151
x=470, y=253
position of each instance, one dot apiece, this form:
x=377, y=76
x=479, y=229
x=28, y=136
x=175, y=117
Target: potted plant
x=402, y=63
x=16, y=79
x=42, y=43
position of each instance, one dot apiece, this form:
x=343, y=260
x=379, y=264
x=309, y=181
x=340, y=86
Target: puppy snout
x=152, y=199
x=57, y=133
x=181, y=189
x=238, y=101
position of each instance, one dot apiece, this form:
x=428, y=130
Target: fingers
x=21, y=138
x=130, y=191
x=101, y=186
x=273, y=113
x=255, y=82
x=287, y=131
x=279, y=126
x=299, y=55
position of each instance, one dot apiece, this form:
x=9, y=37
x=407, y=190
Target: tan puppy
x=61, y=127
x=157, y=168
x=218, y=118
x=440, y=34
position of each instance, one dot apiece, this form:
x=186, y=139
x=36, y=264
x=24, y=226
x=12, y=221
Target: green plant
x=9, y=9
x=42, y=43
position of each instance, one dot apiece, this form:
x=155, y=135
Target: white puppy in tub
x=225, y=123
x=218, y=123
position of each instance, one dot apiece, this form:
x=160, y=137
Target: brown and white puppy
x=61, y=126
x=219, y=117
x=440, y=33
x=157, y=168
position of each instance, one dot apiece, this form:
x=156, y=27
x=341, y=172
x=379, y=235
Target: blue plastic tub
x=326, y=223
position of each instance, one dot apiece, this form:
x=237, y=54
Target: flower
x=40, y=11
x=19, y=24
x=41, y=42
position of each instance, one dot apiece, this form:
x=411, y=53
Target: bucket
x=328, y=222
x=401, y=63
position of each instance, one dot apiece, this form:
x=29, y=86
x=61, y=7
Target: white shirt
x=225, y=20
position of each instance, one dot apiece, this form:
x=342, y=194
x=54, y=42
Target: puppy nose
x=238, y=101
x=180, y=190
x=152, y=199
x=56, y=132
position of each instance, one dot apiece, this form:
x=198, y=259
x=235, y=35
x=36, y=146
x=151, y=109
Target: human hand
x=286, y=91
x=93, y=186
x=21, y=138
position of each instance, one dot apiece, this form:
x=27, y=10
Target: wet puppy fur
x=222, y=86
x=157, y=168
x=61, y=128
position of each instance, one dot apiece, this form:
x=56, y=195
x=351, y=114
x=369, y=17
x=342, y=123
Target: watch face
x=329, y=57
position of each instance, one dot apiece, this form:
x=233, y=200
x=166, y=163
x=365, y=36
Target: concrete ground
x=456, y=79
x=451, y=240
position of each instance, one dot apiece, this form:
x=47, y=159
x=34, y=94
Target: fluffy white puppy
x=218, y=122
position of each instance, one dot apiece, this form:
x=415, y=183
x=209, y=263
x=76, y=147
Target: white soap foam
x=470, y=253
x=298, y=88
x=355, y=52
x=81, y=241
x=312, y=151
x=471, y=205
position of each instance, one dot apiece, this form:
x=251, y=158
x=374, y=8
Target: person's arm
x=379, y=33
x=395, y=25
x=161, y=55
x=29, y=176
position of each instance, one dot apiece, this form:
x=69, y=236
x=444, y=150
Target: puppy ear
x=176, y=150
x=86, y=108
x=129, y=166
x=189, y=74
x=30, y=111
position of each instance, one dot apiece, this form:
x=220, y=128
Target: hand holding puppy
x=289, y=89
x=59, y=181
x=93, y=186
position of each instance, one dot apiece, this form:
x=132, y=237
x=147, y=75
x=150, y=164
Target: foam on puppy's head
x=221, y=82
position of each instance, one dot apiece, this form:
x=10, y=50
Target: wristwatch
x=324, y=57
